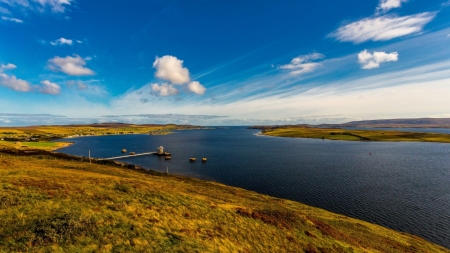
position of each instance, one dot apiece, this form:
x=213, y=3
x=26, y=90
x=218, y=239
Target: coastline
x=352, y=135
x=197, y=213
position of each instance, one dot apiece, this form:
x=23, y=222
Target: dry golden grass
x=49, y=205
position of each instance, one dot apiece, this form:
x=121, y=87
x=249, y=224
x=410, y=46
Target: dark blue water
x=404, y=186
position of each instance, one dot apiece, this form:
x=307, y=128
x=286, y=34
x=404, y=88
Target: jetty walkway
x=126, y=156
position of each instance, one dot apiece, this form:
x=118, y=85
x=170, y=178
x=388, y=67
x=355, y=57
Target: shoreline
x=339, y=134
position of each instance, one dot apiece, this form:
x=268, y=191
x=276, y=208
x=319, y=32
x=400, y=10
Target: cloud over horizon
x=73, y=66
x=10, y=81
x=50, y=88
x=371, y=61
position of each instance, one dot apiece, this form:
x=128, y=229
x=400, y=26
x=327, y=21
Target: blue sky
x=223, y=62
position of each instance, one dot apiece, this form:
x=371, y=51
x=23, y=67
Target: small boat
x=124, y=150
x=167, y=157
x=132, y=153
x=192, y=159
x=204, y=159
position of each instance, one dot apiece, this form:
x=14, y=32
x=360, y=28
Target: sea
x=404, y=186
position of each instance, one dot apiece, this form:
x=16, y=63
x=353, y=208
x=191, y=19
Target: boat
x=204, y=159
x=167, y=157
x=192, y=159
x=124, y=150
x=132, y=153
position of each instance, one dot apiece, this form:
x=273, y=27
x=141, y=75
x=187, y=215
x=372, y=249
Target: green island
x=53, y=202
x=304, y=131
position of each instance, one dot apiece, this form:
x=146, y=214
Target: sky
x=222, y=62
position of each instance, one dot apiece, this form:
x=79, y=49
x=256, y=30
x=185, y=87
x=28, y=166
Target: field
x=53, y=205
x=354, y=135
x=40, y=136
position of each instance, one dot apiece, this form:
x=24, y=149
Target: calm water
x=404, y=186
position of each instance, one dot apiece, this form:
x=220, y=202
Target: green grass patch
x=73, y=206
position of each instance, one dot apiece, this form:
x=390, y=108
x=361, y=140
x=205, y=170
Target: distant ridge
x=397, y=123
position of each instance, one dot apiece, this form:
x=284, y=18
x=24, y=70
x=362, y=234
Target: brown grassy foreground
x=353, y=135
x=49, y=205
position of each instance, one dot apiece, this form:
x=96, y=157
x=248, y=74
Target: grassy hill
x=352, y=135
x=53, y=205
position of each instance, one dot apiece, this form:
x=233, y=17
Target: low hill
x=53, y=205
x=397, y=123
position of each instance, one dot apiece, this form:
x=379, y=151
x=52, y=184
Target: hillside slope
x=72, y=206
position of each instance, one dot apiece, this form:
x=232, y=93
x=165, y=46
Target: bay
x=401, y=185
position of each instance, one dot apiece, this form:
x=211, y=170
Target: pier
x=126, y=156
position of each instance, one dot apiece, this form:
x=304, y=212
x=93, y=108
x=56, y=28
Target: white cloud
x=50, y=88
x=73, y=66
x=196, y=87
x=164, y=90
x=170, y=68
x=302, y=64
x=62, y=41
x=12, y=19
x=4, y=11
x=386, y=5
x=13, y=83
x=7, y=66
x=446, y=4
x=382, y=28
x=40, y=5
x=371, y=61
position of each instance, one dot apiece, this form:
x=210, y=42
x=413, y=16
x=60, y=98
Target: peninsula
x=342, y=131
x=41, y=136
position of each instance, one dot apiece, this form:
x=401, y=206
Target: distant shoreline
x=351, y=135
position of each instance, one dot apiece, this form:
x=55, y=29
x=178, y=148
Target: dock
x=127, y=156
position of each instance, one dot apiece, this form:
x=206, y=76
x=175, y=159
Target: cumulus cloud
x=73, y=66
x=164, y=90
x=12, y=19
x=303, y=64
x=386, y=5
x=371, y=61
x=13, y=83
x=382, y=28
x=50, y=88
x=197, y=88
x=7, y=66
x=62, y=41
x=171, y=69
